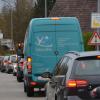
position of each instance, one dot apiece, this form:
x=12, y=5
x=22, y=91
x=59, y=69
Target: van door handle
x=56, y=53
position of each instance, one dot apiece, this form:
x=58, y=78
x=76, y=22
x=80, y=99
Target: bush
x=86, y=37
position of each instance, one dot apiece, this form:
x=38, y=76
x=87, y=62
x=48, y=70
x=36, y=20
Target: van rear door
x=43, y=46
x=68, y=36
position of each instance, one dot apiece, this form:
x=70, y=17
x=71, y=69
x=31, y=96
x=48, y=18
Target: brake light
x=98, y=57
x=33, y=83
x=81, y=83
x=29, y=66
x=76, y=83
x=71, y=83
x=21, y=64
x=55, y=18
x=9, y=62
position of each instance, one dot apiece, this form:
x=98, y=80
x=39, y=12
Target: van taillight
x=33, y=83
x=76, y=83
x=29, y=65
x=29, y=68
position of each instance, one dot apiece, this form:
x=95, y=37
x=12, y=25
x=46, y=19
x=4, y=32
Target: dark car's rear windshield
x=87, y=66
x=13, y=58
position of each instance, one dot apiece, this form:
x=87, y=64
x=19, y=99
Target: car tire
x=14, y=74
x=29, y=91
x=19, y=79
x=24, y=88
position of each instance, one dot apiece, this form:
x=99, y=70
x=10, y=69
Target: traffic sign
x=95, y=39
x=95, y=20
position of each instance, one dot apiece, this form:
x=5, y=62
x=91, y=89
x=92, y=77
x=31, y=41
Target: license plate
x=36, y=89
x=44, y=79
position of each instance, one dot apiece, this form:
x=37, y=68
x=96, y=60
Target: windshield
x=87, y=67
x=13, y=58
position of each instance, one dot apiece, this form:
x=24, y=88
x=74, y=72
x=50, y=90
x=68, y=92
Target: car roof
x=74, y=54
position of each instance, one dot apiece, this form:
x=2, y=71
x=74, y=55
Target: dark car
x=1, y=61
x=74, y=77
x=20, y=68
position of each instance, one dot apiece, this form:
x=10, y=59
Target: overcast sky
x=1, y=4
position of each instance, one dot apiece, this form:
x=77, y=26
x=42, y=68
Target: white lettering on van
x=39, y=39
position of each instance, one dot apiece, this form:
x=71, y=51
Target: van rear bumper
x=34, y=84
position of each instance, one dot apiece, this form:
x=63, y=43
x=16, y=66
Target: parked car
x=74, y=77
x=46, y=40
x=4, y=63
x=20, y=69
x=1, y=61
x=12, y=64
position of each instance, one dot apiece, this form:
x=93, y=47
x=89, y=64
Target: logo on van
x=43, y=41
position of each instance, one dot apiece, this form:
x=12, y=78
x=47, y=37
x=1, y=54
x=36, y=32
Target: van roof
x=65, y=20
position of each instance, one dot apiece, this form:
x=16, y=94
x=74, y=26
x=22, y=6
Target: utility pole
x=98, y=10
x=45, y=8
x=12, y=26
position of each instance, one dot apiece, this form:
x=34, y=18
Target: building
x=1, y=35
x=7, y=43
x=81, y=9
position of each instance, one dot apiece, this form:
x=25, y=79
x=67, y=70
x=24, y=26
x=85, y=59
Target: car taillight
x=76, y=83
x=21, y=64
x=9, y=62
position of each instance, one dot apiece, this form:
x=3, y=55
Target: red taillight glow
x=33, y=83
x=98, y=57
x=76, y=83
x=71, y=83
x=21, y=64
x=29, y=67
x=81, y=83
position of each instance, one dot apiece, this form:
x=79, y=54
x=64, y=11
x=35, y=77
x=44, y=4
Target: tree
x=40, y=7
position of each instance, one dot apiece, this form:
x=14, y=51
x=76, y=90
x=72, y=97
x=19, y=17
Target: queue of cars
x=8, y=63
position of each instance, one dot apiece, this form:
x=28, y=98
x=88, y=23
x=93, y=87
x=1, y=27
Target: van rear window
x=87, y=66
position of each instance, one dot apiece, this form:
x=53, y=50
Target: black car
x=20, y=68
x=74, y=77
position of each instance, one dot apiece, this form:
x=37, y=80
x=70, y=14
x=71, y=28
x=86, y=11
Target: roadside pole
x=45, y=8
x=98, y=30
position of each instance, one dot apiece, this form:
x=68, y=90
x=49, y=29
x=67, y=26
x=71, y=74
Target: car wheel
x=29, y=91
x=14, y=74
x=24, y=88
x=19, y=79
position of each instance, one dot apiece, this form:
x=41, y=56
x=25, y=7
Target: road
x=10, y=89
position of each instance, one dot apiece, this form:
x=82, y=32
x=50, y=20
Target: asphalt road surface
x=10, y=89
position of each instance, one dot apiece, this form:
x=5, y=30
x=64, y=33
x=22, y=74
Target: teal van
x=46, y=40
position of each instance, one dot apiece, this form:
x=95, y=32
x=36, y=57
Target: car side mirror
x=46, y=75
